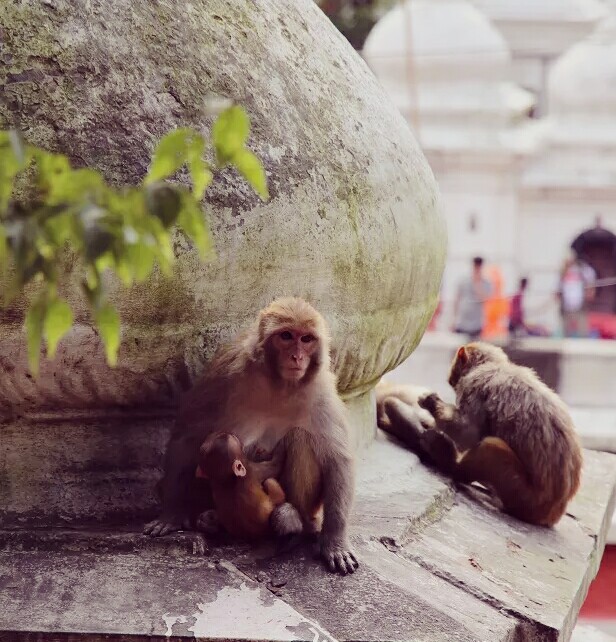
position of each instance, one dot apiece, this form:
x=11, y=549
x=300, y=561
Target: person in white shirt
x=575, y=291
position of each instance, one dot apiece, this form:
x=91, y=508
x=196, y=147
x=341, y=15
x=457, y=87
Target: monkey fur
x=410, y=395
x=272, y=378
x=244, y=502
x=508, y=431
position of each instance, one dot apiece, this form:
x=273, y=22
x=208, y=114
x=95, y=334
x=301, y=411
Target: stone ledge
x=436, y=566
x=580, y=370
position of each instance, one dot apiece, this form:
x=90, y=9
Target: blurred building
x=516, y=189
x=571, y=181
x=538, y=32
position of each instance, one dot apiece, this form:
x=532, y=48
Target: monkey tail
x=285, y=520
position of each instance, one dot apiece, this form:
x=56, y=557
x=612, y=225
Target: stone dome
x=582, y=83
x=579, y=146
x=353, y=222
x=443, y=36
x=443, y=63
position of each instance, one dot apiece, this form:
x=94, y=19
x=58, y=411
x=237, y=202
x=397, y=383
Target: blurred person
x=496, y=306
x=517, y=320
x=575, y=291
x=468, y=311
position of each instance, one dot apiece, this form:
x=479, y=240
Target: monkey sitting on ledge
x=508, y=431
x=245, y=493
x=271, y=379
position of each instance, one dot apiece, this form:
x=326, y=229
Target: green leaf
x=251, y=168
x=35, y=318
x=201, y=176
x=74, y=186
x=57, y=323
x=230, y=133
x=141, y=259
x=173, y=151
x=193, y=223
x=108, y=323
x=164, y=202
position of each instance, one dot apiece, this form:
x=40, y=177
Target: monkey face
x=293, y=350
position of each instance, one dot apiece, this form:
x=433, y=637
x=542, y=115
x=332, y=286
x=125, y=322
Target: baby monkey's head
x=221, y=456
x=472, y=355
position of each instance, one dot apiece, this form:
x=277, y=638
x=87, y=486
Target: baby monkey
x=245, y=492
x=508, y=431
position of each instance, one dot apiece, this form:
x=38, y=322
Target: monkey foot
x=339, y=560
x=160, y=527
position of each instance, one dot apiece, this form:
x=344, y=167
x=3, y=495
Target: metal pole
x=411, y=76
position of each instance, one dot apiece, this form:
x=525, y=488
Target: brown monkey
x=268, y=380
x=244, y=501
x=407, y=393
x=518, y=438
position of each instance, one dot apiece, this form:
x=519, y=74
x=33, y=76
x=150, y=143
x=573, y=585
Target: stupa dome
x=582, y=83
x=443, y=64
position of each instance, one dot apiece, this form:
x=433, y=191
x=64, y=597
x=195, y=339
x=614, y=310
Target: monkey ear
x=462, y=355
x=239, y=470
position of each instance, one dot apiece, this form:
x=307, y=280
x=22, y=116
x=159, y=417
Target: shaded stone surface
x=85, y=470
x=436, y=565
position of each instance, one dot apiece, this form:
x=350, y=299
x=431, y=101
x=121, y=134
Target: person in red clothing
x=517, y=322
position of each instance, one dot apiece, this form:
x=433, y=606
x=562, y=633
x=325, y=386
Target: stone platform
x=436, y=565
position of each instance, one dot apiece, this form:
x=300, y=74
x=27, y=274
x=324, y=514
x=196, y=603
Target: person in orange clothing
x=496, y=306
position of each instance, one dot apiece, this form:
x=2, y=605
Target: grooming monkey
x=274, y=377
x=245, y=494
x=508, y=431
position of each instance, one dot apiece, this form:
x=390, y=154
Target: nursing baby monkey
x=272, y=378
x=508, y=431
x=245, y=493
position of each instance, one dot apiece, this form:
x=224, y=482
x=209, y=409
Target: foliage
x=47, y=207
x=355, y=18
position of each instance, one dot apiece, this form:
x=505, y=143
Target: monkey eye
x=307, y=338
x=286, y=335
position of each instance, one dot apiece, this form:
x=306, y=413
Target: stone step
x=435, y=565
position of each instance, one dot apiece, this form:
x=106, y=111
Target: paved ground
x=437, y=566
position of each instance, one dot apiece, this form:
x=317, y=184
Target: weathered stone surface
x=436, y=565
x=72, y=473
x=353, y=223
x=83, y=470
x=127, y=594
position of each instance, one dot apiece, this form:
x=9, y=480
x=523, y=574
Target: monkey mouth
x=294, y=372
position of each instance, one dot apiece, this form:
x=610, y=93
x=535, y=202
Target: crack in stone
x=437, y=509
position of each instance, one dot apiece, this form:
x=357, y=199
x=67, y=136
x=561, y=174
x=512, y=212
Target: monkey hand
x=208, y=522
x=430, y=402
x=165, y=525
x=338, y=555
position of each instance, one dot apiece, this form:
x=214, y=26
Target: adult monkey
x=508, y=430
x=272, y=378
